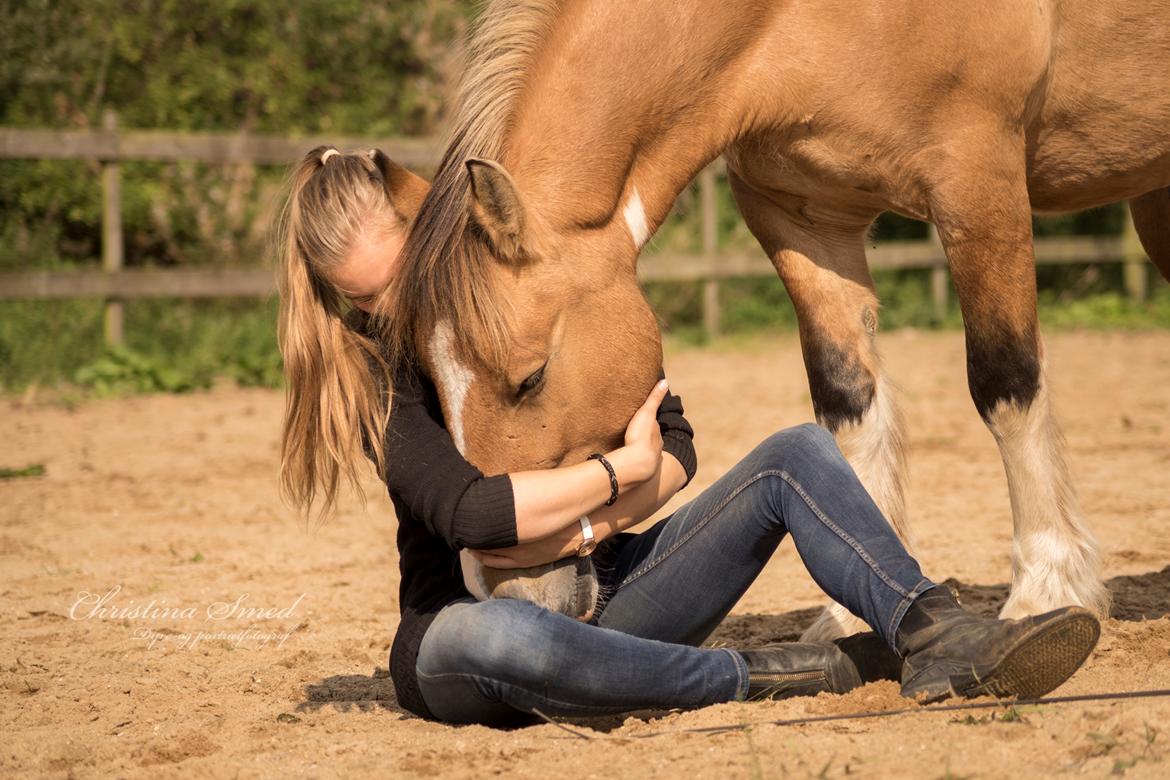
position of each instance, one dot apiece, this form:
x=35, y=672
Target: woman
x=499, y=661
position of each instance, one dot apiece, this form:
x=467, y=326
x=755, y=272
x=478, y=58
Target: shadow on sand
x=352, y=692
x=1137, y=597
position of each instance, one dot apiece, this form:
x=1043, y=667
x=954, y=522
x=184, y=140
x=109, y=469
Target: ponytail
x=337, y=382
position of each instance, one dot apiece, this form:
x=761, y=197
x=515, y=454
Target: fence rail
x=111, y=146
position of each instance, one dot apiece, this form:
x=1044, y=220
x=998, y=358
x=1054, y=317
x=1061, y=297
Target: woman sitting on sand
x=498, y=661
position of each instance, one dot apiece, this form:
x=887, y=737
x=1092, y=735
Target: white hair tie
x=327, y=154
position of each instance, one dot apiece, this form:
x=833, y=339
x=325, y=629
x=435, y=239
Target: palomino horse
x=579, y=122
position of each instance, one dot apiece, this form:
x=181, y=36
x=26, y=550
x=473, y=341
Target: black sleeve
x=677, y=434
x=429, y=476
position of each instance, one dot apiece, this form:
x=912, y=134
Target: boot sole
x=1041, y=660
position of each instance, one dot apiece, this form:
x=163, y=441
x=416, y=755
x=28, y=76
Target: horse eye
x=532, y=382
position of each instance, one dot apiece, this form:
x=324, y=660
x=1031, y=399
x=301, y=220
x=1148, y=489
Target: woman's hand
x=632, y=508
x=639, y=459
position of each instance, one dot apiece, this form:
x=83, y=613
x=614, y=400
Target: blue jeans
x=494, y=662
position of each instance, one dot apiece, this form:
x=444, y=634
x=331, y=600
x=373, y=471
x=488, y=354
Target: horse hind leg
x=1151, y=218
x=830, y=286
x=984, y=219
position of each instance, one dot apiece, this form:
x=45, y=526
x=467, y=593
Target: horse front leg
x=823, y=267
x=984, y=219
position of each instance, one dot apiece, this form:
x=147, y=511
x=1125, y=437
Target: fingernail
x=662, y=384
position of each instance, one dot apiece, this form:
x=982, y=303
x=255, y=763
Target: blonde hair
x=337, y=380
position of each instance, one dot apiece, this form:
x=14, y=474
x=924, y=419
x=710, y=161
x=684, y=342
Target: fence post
x=939, y=284
x=712, y=316
x=112, y=247
x=1135, y=263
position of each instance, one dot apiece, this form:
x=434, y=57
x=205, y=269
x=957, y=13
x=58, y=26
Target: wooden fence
x=115, y=284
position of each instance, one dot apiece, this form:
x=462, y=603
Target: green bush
x=170, y=345
x=121, y=371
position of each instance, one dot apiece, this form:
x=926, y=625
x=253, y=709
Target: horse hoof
x=834, y=622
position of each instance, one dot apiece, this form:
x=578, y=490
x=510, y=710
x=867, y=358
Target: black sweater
x=444, y=504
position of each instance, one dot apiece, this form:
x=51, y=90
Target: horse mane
x=444, y=269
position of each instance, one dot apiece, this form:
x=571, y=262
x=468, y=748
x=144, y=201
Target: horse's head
x=539, y=341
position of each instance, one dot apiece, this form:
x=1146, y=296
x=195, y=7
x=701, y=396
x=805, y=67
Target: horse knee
x=841, y=386
x=1002, y=368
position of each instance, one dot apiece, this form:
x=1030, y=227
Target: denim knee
x=494, y=639
x=800, y=443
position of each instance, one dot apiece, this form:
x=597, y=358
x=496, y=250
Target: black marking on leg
x=842, y=388
x=1002, y=367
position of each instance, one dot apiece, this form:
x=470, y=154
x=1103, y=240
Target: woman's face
x=368, y=267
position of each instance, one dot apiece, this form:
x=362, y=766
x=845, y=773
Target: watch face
x=586, y=547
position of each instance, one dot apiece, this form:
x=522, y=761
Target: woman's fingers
x=654, y=400
x=646, y=418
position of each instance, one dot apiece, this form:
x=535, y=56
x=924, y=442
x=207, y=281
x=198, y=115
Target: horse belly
x=826, y=180
x=1102, y=133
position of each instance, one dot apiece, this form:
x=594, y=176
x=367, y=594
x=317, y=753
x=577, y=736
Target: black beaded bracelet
x=613, y=483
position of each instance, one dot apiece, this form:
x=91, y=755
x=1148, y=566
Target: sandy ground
x=163, y=614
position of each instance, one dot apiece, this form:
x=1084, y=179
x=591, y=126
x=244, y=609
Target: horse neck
x=627, y=97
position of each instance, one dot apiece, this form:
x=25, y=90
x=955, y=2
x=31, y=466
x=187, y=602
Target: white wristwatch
x=588, y=540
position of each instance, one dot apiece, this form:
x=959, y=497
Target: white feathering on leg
x=1055, y=558
x=874, y=447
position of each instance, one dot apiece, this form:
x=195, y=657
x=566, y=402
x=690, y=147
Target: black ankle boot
x=949, y=651
x=798, y=669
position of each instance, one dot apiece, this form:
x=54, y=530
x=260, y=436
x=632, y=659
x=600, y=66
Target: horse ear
x=406, y=190
x=496, y=206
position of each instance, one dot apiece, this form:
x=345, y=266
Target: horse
x=578, y=123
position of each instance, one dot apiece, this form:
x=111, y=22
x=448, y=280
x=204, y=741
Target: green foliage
x=121, y=371
x=170, y=345
x=752, y=305
x=33, y=470
x=304, y=66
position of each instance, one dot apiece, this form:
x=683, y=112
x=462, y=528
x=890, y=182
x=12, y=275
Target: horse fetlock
x=1040, y=597
x=1052, y=569
x=834, y=622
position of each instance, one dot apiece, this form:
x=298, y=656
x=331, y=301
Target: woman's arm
x=632, y=508
x=466, y=509
x=550, y=500
x=678, y=464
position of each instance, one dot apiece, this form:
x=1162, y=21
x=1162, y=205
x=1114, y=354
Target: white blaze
x=635, y=214
x=452, y=379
